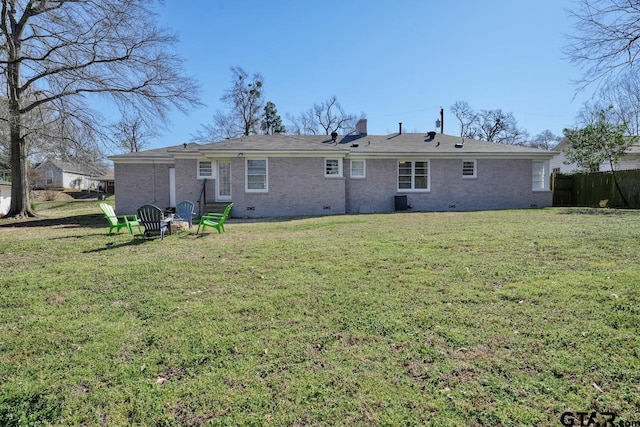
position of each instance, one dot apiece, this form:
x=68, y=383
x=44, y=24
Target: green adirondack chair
x=119, y=222
x=226, y=213
x=215, y=220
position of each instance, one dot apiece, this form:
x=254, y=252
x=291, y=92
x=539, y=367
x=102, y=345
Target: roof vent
x=334, y=136
x=459, y=144
x=431, y=134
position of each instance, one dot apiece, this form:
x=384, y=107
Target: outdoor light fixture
x=440, y=121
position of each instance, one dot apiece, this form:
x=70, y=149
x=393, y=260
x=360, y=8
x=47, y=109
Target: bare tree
x=221, y=127
x=324, y=118
x=467, y=118
x=606, y=38
x=50, y=130
x=545, y=140
x=592, y=111
x=331, y=117
x=304, y=124
x=61, y=53
x=132, y=133
x=245, y=97
x=488, y=125
x=623, y=93
x=500, y=127
x=245, y=100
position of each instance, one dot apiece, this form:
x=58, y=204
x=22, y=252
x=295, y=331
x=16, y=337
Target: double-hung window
x=333, y=168
x=413, y=175
x=539, y=176
x=256, y=179
x=358, y=169
x=205, y=169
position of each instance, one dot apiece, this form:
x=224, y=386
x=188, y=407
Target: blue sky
x=394, y=61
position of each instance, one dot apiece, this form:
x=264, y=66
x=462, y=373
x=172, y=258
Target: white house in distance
x=5, y=197
x=58, y=174
x=630, y=161
x=291, y=175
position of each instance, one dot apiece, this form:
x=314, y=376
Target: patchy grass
x=482, y=318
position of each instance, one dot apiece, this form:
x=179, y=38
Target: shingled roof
x=433, y=145
x=80, y=168
x=406, y=144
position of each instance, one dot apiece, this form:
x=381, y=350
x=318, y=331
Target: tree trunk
x=20, y=203
x=617, y=184
x=615, y=181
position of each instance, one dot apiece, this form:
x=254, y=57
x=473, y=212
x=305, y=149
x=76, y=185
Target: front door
x=223, y=181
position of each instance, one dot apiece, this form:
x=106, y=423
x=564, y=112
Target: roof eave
x=455, y=154
x=141, y=159
x=273, y=153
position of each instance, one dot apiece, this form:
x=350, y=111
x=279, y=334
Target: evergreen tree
x=272, y=122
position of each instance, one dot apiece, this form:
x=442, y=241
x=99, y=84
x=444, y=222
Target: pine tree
x=272, y=122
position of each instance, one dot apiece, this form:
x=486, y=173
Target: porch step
x=215, y=207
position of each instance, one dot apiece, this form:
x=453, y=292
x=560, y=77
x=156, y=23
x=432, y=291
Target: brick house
x=291, y=175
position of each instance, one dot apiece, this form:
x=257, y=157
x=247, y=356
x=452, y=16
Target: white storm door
x=172, y=187
x=223, y=181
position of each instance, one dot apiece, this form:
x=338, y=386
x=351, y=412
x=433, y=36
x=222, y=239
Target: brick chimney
x=361, y=127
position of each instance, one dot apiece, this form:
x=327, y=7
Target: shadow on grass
x=137, y=239
x=109, y=246
x=98, y=221
x=595, y=211
x=91, y=220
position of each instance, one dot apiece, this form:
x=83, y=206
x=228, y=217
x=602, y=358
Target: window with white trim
x=469, y=169
x=205, y=169
x=413, y=175
x=49, y=178
x=358, y=169
x=333, y=168
x=539, y=176
x=256, y=175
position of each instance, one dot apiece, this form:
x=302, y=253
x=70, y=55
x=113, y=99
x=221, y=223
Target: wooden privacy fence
x=596, y=189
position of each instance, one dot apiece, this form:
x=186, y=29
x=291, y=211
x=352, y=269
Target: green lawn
x=444, y=319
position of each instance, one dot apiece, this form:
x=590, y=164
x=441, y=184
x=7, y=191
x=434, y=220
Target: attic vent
x=459, y=144
x=334, y=136
x=431, y=134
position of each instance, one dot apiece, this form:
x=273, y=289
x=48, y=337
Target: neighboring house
x=289, y=175
x=106, y=183
x=630, y=161
x=53, y=173
x=5, y=197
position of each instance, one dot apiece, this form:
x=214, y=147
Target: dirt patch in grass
x=50, y=195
